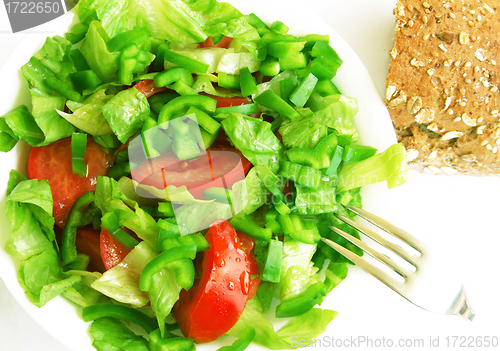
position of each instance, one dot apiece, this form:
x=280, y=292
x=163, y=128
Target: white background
x=455, y=214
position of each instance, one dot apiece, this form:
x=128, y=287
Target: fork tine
x=378, y=238
x=364, y=265
x=388, y=227
x=375, y=254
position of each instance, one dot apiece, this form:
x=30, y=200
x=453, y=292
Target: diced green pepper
x=270, y=67
x=301, y=94
x=160, y=56
x=186, y=62
x=246, y=109
x=68, y=242
x=285, y=49
x=178, y=106
x=272, y=267
x=78, y=147
x=128, y=38
x=84, y=80
x=248, y=86
x=229, y=81
x=159, y=262
x=94, y=312
x=244, y=340
x=279, y=27
x=295, y=61
x=354, y=153
x=337, y=157
x=172, y=75
x=325, y=87
x=110, y=223
x=301, y=303
x=204, y=120
x=79, y=60
x=269, y=99
x=244, y=224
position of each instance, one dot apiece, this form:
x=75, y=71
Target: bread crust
x=443, y=85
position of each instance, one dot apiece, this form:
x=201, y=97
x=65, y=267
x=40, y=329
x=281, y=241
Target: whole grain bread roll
x=443, y=85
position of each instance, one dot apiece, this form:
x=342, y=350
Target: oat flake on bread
x=443, y=85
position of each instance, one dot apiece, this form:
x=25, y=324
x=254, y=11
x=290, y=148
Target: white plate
x=366, y=308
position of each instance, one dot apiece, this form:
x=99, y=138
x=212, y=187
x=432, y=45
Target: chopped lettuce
x=122, y=281
x=389, y=165
x=335, y=111
x=53, y=126
x=315, y=200
x=303, y=132
x=305, y=326
x=297, y=268
x=175, y=20
x=29, y=210
x=255, y=139
x=108, y=198
x=110, y=334
x=101, y=61
x=126, y=112
x=89, y=117
x=163, y=294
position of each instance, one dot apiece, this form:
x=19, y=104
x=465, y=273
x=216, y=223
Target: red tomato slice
x=87, y=242
x=248, y=244
x=209, y=43
x=148, y=87
x=221, y=166
x=53, y=162
x=112, y=251
x=229, y=101
x=215, y=302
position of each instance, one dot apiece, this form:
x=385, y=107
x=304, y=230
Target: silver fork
x=432, y=285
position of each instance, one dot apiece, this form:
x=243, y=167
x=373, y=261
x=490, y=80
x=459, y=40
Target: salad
x=126, y=98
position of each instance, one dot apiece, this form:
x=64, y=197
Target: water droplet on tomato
x=245, y=282
x=238, y=259
x=220, y=261
x=230, y=286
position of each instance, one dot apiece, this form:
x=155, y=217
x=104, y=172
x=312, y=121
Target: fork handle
x=464, y=309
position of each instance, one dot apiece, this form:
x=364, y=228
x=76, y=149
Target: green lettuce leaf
x=389, y=165
x=305, y=326
x=44, y=111
x=303, y=132
x=297, y=268
x=55, y=54
x=89, y=116
x=29, y=210
x=175, y=20
x=101, y=61
x=255, y=139
x=122, y=281
x=315, y=200
x=109, y=198
x=126, y=112
x=335, y=111
x=110, y=334
x=163, y=294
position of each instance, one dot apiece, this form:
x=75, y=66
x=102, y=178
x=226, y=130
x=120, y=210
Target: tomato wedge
x=209, y=43
x=248, y=244
x=112, y=251
x=221, y=166
x=215, y=302
x=148, y=87
x=53, y=162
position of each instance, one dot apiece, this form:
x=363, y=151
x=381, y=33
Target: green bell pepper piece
x=301, y=303
x=78, y=147
x=68, y=242
x=244, y=224
x=93, y=312
x=269, y=99
x=272, y=267
x=159, y=262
